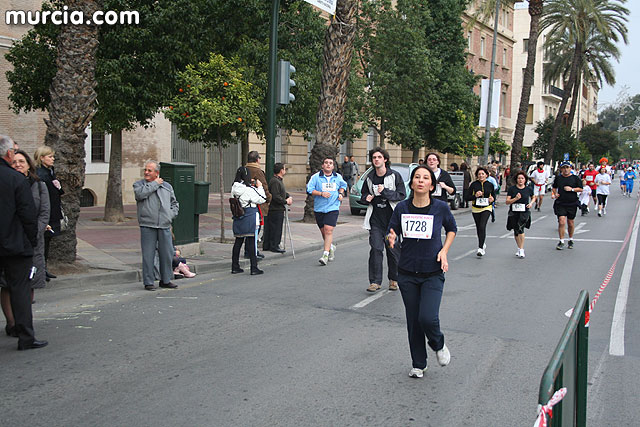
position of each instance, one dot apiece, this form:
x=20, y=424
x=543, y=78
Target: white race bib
x=417, y=226
x=438, y=191
x=518, y=207
x=589, y=178
x=329, y=186
x=482, y=201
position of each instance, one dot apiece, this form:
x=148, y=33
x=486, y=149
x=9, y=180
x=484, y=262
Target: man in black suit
x=18, y=237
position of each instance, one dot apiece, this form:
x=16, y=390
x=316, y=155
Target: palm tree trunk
x=535, y=11
x=563, y=104
x=575, y=98
x=71, y=109
x=113, y=208
x=336, y=65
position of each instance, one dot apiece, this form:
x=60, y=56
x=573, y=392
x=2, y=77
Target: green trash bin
x=201, y=205
x=181, y=178
x=202, y=197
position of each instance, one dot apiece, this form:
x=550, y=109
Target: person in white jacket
x=250, y=194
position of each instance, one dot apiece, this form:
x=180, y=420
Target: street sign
x=566, y=157
x=328, y=6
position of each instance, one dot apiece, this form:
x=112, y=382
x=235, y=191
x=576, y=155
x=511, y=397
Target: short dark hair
x=253, y=157
x=382, y=151
x=540, y=163
x=277, y=168
x=526, y=178
x=432, y=154
x=482, y=168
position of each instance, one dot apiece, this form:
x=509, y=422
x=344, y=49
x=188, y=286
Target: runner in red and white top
x=539, y=178
x=589, y=179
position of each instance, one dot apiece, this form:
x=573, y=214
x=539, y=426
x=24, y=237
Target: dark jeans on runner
x=421, y=297
x=481, y=220
x=272, y=231
x=377, y=243
x=16, y=271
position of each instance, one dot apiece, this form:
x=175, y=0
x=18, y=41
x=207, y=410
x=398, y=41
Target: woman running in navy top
x=423, y=262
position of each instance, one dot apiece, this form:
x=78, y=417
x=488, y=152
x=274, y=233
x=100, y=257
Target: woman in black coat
x=44, y=158
x=445, y=184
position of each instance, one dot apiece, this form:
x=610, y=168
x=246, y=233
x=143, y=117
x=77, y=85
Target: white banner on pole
x=328, y=6
x=495, y=102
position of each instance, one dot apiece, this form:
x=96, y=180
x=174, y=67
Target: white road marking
x=370, y=299
x=472, y=251
x=616, y=342
x=548, y=238
x=510, y=233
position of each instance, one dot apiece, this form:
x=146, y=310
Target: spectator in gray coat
x=157, y=207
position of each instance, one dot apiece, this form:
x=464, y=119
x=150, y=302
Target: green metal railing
x=568, y=368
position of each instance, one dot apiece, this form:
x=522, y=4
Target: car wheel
x=355, y=211
x=455, y=203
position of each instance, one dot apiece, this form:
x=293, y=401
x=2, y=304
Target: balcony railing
x=553, y=90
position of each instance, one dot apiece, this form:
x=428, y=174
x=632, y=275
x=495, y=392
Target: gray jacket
x=157, y=204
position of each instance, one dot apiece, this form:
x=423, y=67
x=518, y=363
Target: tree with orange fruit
x=214, y=106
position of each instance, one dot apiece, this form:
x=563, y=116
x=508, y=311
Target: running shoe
x=518, y=253
x=393, y=285
x=599, y=213
x=521, y=253
x=332, y=252
x=570, y=245
x=324, y=259
x=604, y=211
x=443, y=356
x=560, y=246
x=480, y=252
x=374, y=287
x=417, y=373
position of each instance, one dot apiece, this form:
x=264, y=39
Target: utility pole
x=487, y=126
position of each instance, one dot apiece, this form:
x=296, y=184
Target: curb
x=135, y=276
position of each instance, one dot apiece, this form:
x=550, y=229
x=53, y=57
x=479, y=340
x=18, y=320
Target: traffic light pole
x=271, y=92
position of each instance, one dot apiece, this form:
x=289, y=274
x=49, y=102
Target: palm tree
x=535, y=11
x=336, y=66
x=596, y=65
x=577, y=19
x=71, y=109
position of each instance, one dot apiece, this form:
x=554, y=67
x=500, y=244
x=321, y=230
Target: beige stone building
x=479, y=34
x=545, y=97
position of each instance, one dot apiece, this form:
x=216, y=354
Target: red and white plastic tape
x=609, y=275
x=547, y=409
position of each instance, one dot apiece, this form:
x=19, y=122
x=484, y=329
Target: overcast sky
x=628, y=69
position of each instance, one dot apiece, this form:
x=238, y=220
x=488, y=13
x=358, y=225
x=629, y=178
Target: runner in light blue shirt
x=328, y=189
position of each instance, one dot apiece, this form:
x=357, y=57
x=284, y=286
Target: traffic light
x=285, y=69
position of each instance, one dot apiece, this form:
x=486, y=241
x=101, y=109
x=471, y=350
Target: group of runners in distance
x=409, y=229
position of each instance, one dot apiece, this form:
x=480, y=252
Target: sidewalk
x=110, y=252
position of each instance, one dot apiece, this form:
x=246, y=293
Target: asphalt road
x=306, y=345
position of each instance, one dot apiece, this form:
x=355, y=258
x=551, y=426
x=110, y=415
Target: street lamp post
x=271, y=90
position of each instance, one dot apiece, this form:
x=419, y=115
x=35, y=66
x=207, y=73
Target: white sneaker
x=324, y=259
x=521, y=253
x=480, y=252
x=484, y=246
x=443, y=356
x=518, y=253
x=417, y=373
x=604, y=211
x=332, y=252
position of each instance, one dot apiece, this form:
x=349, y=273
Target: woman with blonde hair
x=44, y=158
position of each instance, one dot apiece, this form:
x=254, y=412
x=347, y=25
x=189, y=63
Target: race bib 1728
x=417, y=226
x=329, y=186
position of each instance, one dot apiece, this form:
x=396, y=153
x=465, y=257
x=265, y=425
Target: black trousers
x=481, y=220
x=273, y=230
x=16, y=271
x=378, y=246
x=249, y=246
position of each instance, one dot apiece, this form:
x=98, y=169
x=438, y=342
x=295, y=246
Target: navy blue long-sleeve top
x=420, y=255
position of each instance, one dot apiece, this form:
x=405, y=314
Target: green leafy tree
x=213, y=106
x=599, y=141
x=497, y=145
x=566, y=141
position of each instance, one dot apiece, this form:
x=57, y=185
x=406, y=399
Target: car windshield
x=403, y=170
